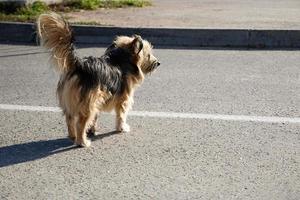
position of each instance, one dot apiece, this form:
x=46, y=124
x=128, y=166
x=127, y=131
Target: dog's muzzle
x=153, y=66
x=156, y=64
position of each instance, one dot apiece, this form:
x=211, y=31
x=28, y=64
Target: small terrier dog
x=93, y=84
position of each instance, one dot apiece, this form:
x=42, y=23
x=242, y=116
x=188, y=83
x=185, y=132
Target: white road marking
x=29, y=108
x=245, y=118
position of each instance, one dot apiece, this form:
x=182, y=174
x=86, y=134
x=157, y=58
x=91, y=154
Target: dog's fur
x=92, y=84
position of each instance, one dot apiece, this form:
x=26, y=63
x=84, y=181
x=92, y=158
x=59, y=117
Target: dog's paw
x=123, y=128
x=91, y=132
x=84, y=143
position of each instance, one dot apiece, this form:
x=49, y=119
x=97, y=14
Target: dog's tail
x=56, y=35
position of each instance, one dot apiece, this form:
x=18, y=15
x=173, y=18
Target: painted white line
x=216, y=117
x=29, y=108
x=169, y=114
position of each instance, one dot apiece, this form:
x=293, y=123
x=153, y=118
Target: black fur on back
x=108, y=71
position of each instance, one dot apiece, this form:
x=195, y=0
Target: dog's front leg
x=122, y=109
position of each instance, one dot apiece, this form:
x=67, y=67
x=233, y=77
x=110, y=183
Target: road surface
x=208, y=124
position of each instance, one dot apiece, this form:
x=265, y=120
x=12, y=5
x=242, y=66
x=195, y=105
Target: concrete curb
x=25, y=32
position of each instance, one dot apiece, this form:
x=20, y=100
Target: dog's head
x=140, y=51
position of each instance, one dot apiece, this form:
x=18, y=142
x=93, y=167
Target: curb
x=84, y=34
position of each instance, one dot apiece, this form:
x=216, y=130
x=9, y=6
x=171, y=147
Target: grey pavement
x=160, y=158
x=213, y=14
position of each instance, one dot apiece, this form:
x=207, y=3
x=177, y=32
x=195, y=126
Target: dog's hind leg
x=84, y=121
x=93, y=127
x=71, y=126
x=81, y=128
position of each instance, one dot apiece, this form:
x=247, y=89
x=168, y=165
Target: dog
x=90, y=85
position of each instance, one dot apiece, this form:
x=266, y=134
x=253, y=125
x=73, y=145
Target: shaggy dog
x=93, y=84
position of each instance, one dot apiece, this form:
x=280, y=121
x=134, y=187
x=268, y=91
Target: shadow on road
x=20, y=153
x=101, y=136
x=25, y=152
x=164, y=47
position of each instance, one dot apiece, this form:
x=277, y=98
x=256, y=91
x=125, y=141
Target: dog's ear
x=137, y=44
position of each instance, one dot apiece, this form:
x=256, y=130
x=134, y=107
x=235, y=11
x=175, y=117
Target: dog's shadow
x=25, y=152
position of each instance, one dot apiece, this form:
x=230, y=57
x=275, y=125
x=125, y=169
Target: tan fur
x=81, y=114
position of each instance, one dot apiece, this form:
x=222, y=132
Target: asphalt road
x=161, y=158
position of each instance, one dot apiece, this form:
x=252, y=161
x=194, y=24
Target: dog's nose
x=158, y=63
